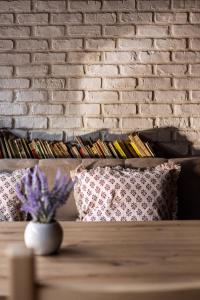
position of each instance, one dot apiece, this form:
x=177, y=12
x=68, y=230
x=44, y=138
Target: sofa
x=188, y=183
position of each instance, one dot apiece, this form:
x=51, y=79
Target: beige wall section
x=73, y=67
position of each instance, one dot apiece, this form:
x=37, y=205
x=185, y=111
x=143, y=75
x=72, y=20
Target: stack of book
x=15, y=147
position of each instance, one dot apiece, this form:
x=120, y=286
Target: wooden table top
x=123, y=254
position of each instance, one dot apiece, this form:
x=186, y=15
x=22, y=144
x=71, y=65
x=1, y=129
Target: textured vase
x=45, y=239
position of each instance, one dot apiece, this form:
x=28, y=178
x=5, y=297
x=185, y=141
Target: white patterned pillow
x=9, y=203
x=122, y=194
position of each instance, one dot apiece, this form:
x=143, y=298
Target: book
x=112, y=148
x=135, y=148
x=83, y=150
x=33, y=150
x=140, y=145
x=119, y=149
x=131, y=149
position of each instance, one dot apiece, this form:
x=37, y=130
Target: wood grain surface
x=130, y=256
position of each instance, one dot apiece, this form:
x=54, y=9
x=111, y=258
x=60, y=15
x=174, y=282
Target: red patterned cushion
x=9, y=203
x=122, y=194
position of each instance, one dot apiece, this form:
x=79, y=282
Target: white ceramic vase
x=44, y=238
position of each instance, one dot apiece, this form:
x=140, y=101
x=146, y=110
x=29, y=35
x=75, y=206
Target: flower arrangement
x=37, y=200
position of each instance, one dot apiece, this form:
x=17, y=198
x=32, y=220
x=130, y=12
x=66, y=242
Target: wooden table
x=129, y=254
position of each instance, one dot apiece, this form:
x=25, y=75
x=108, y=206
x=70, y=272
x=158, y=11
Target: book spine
x=119, y=149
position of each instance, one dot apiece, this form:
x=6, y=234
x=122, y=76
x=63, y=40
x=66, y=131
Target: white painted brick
x=14, y=59
x=119, y=109
x=119, y=83
x=186, y=57
x=195, y=69
x=6, y=95
x=195, y=44
x=15, y=32
x=6, y=71
x=186, y=30
x=67, y=70
x=170, y=44
x=136, y=96
x=32, y=19
x=154, y=83
x=171, y=69
x=49, y=83
x=31, y=96
x=46, y=135
x=10, y=109
x=174, y=122
x=136, y=18
x=84, y=57
x=67, y=18
x=100, y=18
x=98, y=123
x=135, y=70
x=46, y=109
x=195, y=17
x=170, y=96
x=122, y=57
x=14, y=83
x=154, y=57
x=69, y=44
x=65, y=122
x=102, y=96
x=153, y=4
x=119, y=5
x=49, y=57
x=70, y=96
x=82, y=109
x=195, y=95
x=31, y=45
x=186, y=4
x=6, y=19
x=171, y=18
x=115, y=31
x=84, y=83
x=31, y=122
x=85, y=5
x=49, y=31
x=187, y=83
x=32, y=70
x=152, y=30
x=15, y=6
x=195, y=123
x=135, y=44
x=5, y=122
x=50, y=6
x=84, y=30
x=137, y=123
x=6, y=45
x=156, y=110
x=187, y=109
x=100, y=44
x=101, y=70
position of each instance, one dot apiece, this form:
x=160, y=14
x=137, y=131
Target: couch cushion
x=189, y=189
x=50, y=166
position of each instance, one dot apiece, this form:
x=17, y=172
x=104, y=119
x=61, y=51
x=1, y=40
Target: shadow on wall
x=168, y=142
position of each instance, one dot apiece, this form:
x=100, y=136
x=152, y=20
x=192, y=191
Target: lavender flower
x=37, y=200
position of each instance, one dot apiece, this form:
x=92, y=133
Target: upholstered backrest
x=188, y=184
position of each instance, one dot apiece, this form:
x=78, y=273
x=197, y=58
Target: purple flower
x=37, y=200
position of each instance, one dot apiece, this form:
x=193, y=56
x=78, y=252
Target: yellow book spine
x=135, y=148
x=119, y=149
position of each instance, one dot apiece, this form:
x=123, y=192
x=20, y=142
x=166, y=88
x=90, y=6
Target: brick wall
x=73, y=67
